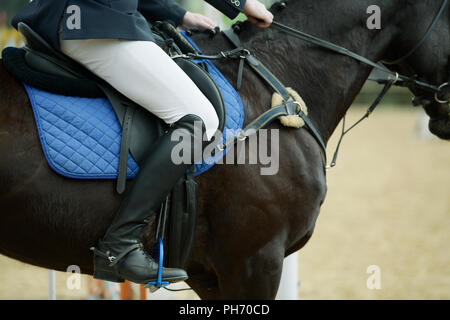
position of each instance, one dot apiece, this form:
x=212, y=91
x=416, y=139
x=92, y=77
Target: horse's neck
x=327, y=81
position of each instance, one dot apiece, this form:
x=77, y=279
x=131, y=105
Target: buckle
x=245, y=54
x=395, y=80
x=221, y=147
x=241, y=136
x=176, y=56
x=437, y=92
x=104, y=254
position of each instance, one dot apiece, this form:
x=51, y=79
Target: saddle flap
x=35, y=41
x=182, y=221
x=37, y=62
x=206, y=85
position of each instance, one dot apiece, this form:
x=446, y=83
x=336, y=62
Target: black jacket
x=107, y=19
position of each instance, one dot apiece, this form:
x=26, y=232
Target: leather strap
x=288, y=107
x=262, y=121
x=113, y=259
x=233, y=37
x=425, y=37
x=256, y=65
x=125, y=118
x=240, y=73
x=124, y=150
x=372, y=107
x=268, y=77
x=343, y=51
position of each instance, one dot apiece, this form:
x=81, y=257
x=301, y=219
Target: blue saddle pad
x=81, y=137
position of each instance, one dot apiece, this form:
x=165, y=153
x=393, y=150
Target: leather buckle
x=437, y=93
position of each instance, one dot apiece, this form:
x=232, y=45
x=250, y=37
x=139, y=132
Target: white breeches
x=144, y=73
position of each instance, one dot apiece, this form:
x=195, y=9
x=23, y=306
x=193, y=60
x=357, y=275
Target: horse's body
x=248, y=222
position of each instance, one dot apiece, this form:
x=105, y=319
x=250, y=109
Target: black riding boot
x=120, y=254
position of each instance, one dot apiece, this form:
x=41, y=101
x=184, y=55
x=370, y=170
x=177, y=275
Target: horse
x=248, y=222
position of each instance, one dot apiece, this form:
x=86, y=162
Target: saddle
x=140, y=128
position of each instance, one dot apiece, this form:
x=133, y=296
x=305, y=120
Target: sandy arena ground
x=388, y=205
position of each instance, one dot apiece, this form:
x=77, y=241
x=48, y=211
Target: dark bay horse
x=248, y=222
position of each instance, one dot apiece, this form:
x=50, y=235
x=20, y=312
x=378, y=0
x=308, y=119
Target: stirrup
x=155, y=285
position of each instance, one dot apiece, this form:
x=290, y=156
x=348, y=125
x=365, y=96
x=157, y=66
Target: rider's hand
x=195, y=20
x=257, y=13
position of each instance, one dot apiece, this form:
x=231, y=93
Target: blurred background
x=387, y=209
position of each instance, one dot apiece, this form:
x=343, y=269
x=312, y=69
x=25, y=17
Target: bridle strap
x=424, y=38
x=256, y=65
x=327, y=45
x=369, y=111
x=341, y=50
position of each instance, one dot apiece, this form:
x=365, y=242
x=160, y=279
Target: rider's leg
x=122, y=241
x=144, y=73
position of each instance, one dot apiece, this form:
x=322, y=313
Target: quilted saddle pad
x=81, y=137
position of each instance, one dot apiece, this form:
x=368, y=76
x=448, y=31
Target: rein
x=425, y=37
x=343, y=51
